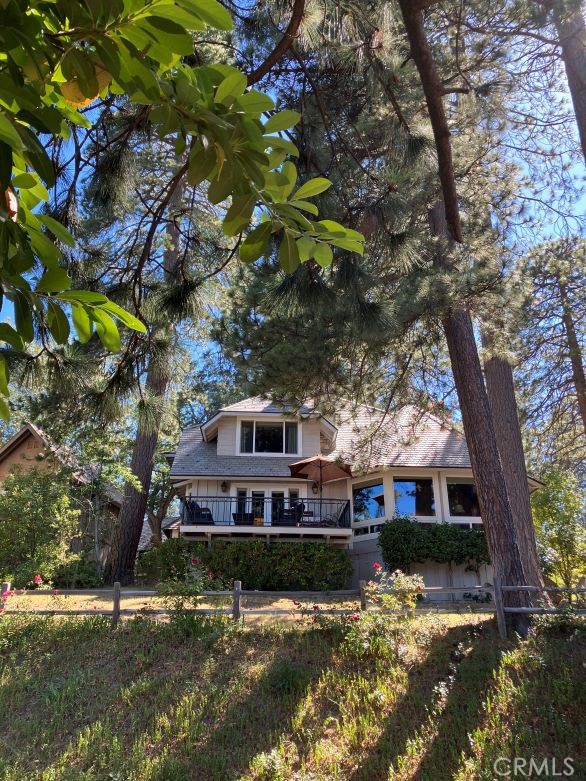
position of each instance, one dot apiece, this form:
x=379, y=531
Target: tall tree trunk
x=571, y=31
x=500, y=386
x=124, y=546
x=578, y=374
x=481, y=439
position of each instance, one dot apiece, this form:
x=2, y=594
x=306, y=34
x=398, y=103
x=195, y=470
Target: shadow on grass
x=461, y=663
x=144, y=702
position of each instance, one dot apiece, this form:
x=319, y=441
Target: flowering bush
x=395, y=590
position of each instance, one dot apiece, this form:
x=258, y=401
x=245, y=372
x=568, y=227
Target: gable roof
x=367, y=439
x=84, y=474
x=260, y=405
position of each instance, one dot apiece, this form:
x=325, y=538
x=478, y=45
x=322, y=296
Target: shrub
x=404, y=541
x=79, y=573
x=274, y=567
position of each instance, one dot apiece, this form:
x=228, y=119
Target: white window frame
x=267, y=419
x=419, y=475
x=453, y=477
x=375, y=478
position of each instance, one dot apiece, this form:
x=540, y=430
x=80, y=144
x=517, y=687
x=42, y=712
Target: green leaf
x=9, y=335
x=58, y=323
x=130, y=321
x=323, y=255
x=210, y=11
x=23, y=317
x=107, y=330
x=340, y=230
x=231, y=87
x=4, y=410
x=288, y=253
x=239, y=214
x=59, y=231
x=84, y=297
x=254, y=102
x=82, y=322
x=349, y=244
x=201, y=164
x=255, y=243
x=221, y=187
x=305, y=248
x=4, y=376
x=313, y=187
x=305, y=206
x=8, y=132
x=54, y=281
x=24, y=181
x=289, y=171
x=282, y=121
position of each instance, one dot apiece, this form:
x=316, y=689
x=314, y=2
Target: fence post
x=236, y=601
x=5, y=587
x=116, y=604
x=499, y=608
x=363, y=603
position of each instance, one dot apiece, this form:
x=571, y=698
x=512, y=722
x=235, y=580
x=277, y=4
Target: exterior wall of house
x=227, y=437
x=310, y=439
x=25, y=456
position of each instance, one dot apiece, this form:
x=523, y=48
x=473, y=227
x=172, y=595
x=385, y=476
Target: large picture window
x=462, y=497
x=269, y=437
x=414, y=496
x=368, y=501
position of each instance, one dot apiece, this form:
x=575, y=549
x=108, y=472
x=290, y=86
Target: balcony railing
x=265, y=511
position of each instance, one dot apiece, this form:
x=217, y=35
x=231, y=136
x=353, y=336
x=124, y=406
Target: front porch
x=270, y=517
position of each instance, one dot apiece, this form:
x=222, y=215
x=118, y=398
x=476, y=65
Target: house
x=32, y=448
x=234, y=476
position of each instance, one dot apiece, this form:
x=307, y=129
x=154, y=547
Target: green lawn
x=149, y=701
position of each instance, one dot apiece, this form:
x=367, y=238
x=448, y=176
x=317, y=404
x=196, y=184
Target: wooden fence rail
x=116, y=594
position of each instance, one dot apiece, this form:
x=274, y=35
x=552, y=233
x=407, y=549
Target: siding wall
x=310, y=438
x=25, y=457
x=227, y=437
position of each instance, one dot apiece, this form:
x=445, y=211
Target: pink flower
x=377, y=567
x=38, y=579
x=355, y=616
x=55, y=591
x=7, y=594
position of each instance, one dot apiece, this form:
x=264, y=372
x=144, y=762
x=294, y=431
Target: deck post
x=236, y=601
x=499, y=608
x=363, y=602
x=116, y=604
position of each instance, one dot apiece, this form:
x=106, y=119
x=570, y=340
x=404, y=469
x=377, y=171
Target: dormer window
x=269, y=437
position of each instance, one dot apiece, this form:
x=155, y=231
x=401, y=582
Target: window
x=264, y=437
x=368, y=501
x=462, y=497
x=246, y=436
x=268, y=438
x=414, y=496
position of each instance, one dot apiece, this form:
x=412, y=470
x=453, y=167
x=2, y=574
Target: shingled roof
x=367, y=439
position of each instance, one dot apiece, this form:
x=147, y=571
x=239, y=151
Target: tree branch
x=434, y=91
x=280, y=49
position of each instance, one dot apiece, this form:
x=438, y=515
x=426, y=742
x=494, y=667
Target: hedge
x=278, y=566
x=404, y=541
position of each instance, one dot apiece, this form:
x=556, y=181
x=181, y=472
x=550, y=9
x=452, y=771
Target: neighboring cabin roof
x=168, y=523
x=367, y=440
x=84, y=474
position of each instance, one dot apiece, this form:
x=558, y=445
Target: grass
x=205, y=701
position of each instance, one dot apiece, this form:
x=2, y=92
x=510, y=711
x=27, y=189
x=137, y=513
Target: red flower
x=38, y=579
x=195, y=561
x=296, y=603
x=316, y=607
x=7, y=594
x=376, y=566
x=355, y=616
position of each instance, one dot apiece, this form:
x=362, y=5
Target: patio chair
x=290, y=516
x=243, y=519
x=198, y=516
